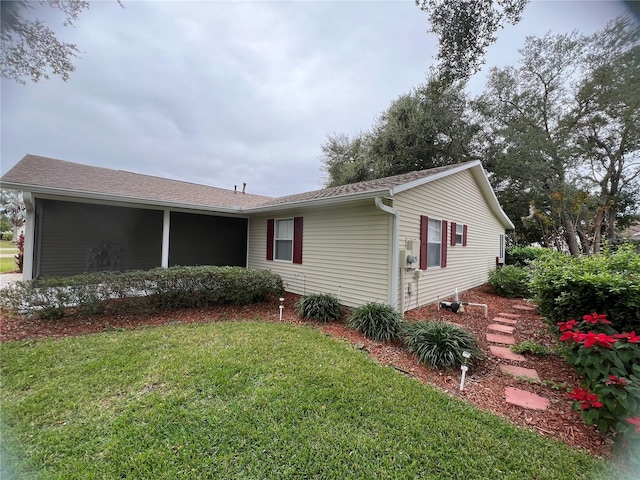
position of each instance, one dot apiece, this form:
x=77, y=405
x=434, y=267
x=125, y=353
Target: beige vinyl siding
x=455, y=198
x=345, y=252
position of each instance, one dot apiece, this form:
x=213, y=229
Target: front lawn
x=7, y=264
x=247, y=400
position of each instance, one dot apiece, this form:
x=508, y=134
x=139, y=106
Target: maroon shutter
x=445, y=230
x=424, y=226
x=297, y=240
x=453, y=234
x=464, y=235
x=270, y=239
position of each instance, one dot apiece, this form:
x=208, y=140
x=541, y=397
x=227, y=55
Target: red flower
x=586, y=398
x=635, y=421
x=566, y=326
x=596, y=339
x=597, y=318
x=629, y=337
x=617, y=381
x=569, y=336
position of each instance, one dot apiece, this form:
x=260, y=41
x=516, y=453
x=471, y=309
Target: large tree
x=571, y=103
x=465, y=29
x=428, y=127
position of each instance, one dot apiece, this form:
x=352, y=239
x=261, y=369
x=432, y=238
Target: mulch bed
x=484, y=386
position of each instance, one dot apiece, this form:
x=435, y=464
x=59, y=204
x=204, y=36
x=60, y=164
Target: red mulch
x=484, y=386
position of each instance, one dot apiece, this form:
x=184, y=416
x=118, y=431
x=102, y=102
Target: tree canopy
x=465, y=29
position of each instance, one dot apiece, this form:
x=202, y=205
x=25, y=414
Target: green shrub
x=524, y=256
x=141, y=291
x=440, y=344
x=529, y=346
x=565, y=287
x=320, y=306
x=377, y=321
x=510, y=281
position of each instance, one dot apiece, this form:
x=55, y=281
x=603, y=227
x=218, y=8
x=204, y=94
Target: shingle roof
x=43, y=173
x=46, y=175
x=376, y=185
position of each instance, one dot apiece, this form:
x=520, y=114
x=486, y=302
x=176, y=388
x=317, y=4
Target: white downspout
x=394, y=251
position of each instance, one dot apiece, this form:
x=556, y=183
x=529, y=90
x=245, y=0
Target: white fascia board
x=318, y=202
x=88, y=197
x=432, y=178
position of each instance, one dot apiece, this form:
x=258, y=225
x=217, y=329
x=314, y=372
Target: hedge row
x=136, y=291
x=565, y=287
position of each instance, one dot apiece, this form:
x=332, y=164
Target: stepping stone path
x=506, y=323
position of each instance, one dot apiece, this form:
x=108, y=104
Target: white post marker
x=281, y=307
x=464, y=368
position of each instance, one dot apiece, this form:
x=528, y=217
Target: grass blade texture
x=246, y=400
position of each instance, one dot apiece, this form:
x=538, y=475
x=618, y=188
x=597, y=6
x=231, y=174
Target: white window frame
x=459, y=233
x=431, y=244
x=277, y=239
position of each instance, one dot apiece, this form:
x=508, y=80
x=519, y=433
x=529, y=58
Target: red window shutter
x=464, y=235
x=424, y=226
x=453, y=234
x=445, y=230
x=270, y=233
x=297, y=240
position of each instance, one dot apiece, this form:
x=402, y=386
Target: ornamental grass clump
x=439, y=344
x=609, y=363
x=323, y=307
x=377, y=321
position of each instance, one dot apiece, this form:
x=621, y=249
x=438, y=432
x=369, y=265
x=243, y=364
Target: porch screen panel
x=207, y=240
x=75, y=238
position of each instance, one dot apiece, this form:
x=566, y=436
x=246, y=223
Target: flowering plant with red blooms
x=630, y=337
x=609, y=363
x=595, y=318
x=585, y=398
x=567, y=326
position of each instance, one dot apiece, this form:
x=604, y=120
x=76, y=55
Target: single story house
x=405, y=240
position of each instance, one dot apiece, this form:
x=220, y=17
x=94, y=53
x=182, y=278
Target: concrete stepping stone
x=518, y=372
x=509, y=315
x=496, y=327
x=525, y=308
x=508, y=321
x=504, y=339
x=525, y=399
x=506, y=353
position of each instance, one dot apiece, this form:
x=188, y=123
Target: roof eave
x=317, y=202
x=61, y=192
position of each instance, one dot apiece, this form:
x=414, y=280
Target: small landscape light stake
x=464, y=368
x=281, y=307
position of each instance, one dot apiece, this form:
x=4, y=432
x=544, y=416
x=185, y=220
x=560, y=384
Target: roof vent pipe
x=244, y=187
x=235, y=189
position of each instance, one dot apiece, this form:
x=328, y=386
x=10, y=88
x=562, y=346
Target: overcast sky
x=222, y=93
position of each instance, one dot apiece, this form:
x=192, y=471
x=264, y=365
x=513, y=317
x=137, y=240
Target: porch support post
x=29, y=233
x=166, y=221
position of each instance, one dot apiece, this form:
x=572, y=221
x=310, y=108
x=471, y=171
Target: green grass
x=7, y=264
x=8, y=244
x=246, y=400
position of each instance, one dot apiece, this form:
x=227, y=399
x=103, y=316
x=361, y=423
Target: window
x=434, y=243
x=501, y=252
x=284, y=239
x=458, y=234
